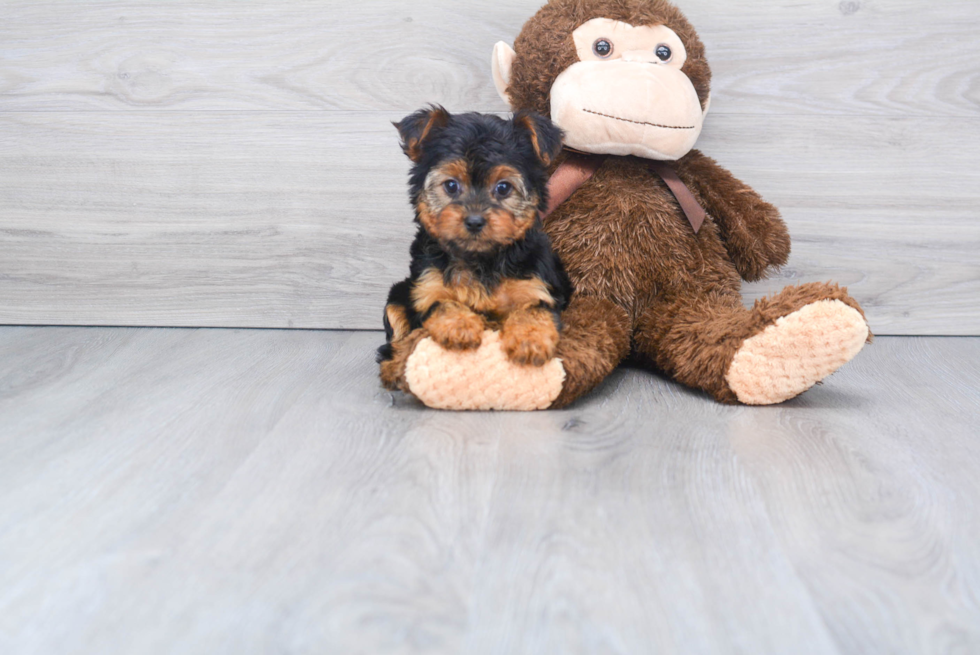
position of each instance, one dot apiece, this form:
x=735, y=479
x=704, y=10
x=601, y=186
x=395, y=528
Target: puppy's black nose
x=475, y=223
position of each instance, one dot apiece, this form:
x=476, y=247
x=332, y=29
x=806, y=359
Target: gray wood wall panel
x=246, y=218
x=890, y=57
x=231, y=164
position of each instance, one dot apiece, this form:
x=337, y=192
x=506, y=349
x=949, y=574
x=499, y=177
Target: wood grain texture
x=231, y=164
x=893, y=58
x=256, y=491
x=246, y=219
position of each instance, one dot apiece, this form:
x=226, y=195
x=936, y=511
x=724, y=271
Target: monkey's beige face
x=626, y=94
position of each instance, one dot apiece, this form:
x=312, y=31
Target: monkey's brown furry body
x=676, y=294
x=645, y=282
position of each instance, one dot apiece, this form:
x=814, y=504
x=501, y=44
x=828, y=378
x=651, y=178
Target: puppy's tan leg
x=393, y=369
x=396, y=322
x=530, y=336
x=455, y=326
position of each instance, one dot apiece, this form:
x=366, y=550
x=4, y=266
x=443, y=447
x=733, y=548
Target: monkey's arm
x=754, y=234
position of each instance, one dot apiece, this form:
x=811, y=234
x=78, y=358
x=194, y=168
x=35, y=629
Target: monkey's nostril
x=475, y=223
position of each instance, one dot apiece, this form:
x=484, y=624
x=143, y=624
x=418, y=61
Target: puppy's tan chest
x=433, y=287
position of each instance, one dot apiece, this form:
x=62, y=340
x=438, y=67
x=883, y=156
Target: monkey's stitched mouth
x=626, y=120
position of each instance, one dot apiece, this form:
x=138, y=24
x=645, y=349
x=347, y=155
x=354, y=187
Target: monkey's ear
x=545, y=136
x=418, y=127
x=501, y=64
x=707, y=106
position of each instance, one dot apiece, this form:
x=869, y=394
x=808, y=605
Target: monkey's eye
x=451, y=187
x=503, y=189
x=664, y=53
x=602, y=48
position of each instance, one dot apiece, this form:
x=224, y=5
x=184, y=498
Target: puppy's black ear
x=545, y=136
x=418, y=127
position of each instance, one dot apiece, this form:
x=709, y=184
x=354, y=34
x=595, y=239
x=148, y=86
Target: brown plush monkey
x=629, y=83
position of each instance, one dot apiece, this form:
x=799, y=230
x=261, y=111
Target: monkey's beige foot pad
x=796, y=352
x=480, y=379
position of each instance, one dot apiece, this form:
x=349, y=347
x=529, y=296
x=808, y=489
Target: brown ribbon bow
x=578, y=169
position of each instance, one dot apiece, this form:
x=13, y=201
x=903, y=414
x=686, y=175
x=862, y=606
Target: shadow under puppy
x=480, y=259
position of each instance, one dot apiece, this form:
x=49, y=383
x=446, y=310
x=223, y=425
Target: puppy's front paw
x=530, y=343
x=456, y=331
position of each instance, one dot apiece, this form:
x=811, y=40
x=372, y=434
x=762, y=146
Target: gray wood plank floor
x=207, y=491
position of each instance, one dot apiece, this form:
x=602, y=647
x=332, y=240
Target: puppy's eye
x=451, y=187
x=602, y=48
x=664, y=52
x=503, y=189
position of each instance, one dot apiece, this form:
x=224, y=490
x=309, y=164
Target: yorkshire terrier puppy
x=480, y=259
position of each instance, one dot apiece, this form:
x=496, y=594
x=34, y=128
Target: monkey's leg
x=760, y=356
x=594, y=339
